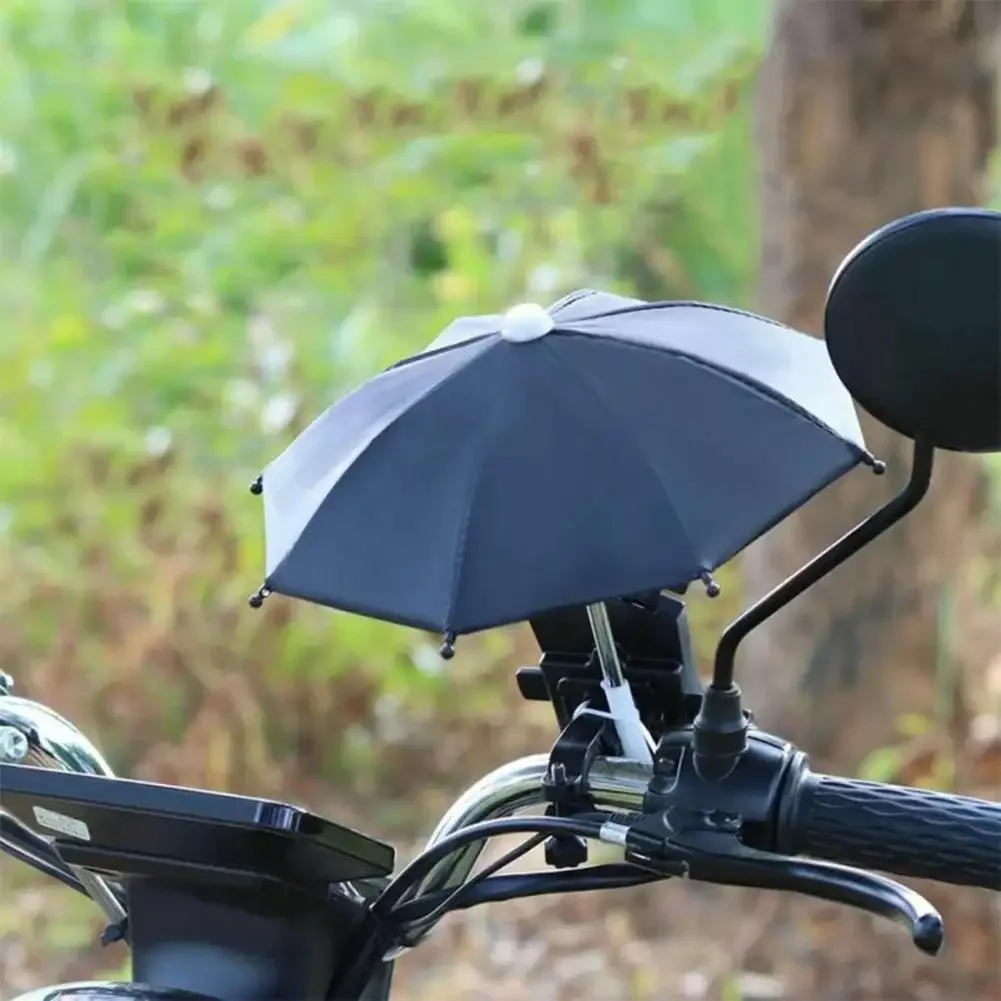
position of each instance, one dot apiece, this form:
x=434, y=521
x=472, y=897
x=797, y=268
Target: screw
x=719, y=820
x=13, y=745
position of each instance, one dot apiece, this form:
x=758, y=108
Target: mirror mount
x=722, y=719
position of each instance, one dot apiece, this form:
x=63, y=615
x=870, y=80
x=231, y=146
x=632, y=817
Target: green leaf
x=882, y=765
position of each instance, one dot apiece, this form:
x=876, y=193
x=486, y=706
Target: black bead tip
x=709, y=582
x=257, y=598
x=257, y=487
x=447, y=649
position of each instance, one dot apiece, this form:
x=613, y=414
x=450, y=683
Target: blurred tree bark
x=867, y=110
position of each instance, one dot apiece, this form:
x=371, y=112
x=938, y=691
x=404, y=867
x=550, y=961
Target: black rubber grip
x=894, y=829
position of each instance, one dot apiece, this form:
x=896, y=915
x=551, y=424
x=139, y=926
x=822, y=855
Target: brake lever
x=718, y=856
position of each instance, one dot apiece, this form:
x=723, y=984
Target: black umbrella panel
x=543, y=459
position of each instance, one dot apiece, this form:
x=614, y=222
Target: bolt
x=13, y=745
x=117, y=932
x=719, y=820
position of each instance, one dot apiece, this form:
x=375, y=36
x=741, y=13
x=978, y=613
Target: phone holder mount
x=625, y=664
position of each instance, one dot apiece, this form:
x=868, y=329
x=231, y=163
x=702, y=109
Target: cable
x=534, y=884
x=44, y=866
x=411, y=874
x=21, y=843
x=452, y=901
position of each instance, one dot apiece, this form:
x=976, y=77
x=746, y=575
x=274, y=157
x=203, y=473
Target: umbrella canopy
x=543, y=459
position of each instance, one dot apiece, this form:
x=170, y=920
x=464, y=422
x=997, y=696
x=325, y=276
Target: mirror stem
x=821, y=565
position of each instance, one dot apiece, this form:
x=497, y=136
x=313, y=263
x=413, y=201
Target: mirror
x=913, y=327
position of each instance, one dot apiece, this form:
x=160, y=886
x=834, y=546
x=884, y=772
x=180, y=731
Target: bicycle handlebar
x=850, y=823
x=743, y=828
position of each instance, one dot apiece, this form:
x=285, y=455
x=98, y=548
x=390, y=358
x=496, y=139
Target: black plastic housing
x=655, y=649
x=152, y=830
x=235, y=946
x=231, y=897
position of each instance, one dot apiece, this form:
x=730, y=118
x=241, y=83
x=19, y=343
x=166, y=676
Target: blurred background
x=215, y=217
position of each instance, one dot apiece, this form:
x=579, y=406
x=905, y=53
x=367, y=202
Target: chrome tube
x=604, y=643
x=50, y=740
x=32, y=734
x=614, y=783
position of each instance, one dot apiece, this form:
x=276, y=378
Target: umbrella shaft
x=604, y=642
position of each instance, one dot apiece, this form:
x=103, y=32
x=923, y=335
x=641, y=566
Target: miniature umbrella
x=603, y=448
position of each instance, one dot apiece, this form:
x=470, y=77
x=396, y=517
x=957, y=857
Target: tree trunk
x=867, y=110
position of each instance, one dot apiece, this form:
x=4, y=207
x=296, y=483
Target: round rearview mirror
x=913, y=327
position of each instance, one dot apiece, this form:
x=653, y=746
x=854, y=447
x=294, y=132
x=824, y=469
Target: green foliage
x=882, y=765
x=214, y=218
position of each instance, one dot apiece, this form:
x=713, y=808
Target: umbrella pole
x=632, y=734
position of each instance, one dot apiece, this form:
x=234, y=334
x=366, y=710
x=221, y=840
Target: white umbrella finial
x=525, y=322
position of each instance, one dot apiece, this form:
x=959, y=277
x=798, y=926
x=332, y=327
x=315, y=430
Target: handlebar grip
x=910, y=832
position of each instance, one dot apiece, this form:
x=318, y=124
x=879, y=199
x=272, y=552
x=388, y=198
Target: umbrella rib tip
x=447, y=649
x=878, y=466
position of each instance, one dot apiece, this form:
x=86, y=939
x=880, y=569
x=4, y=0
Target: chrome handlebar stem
x=32, y=734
